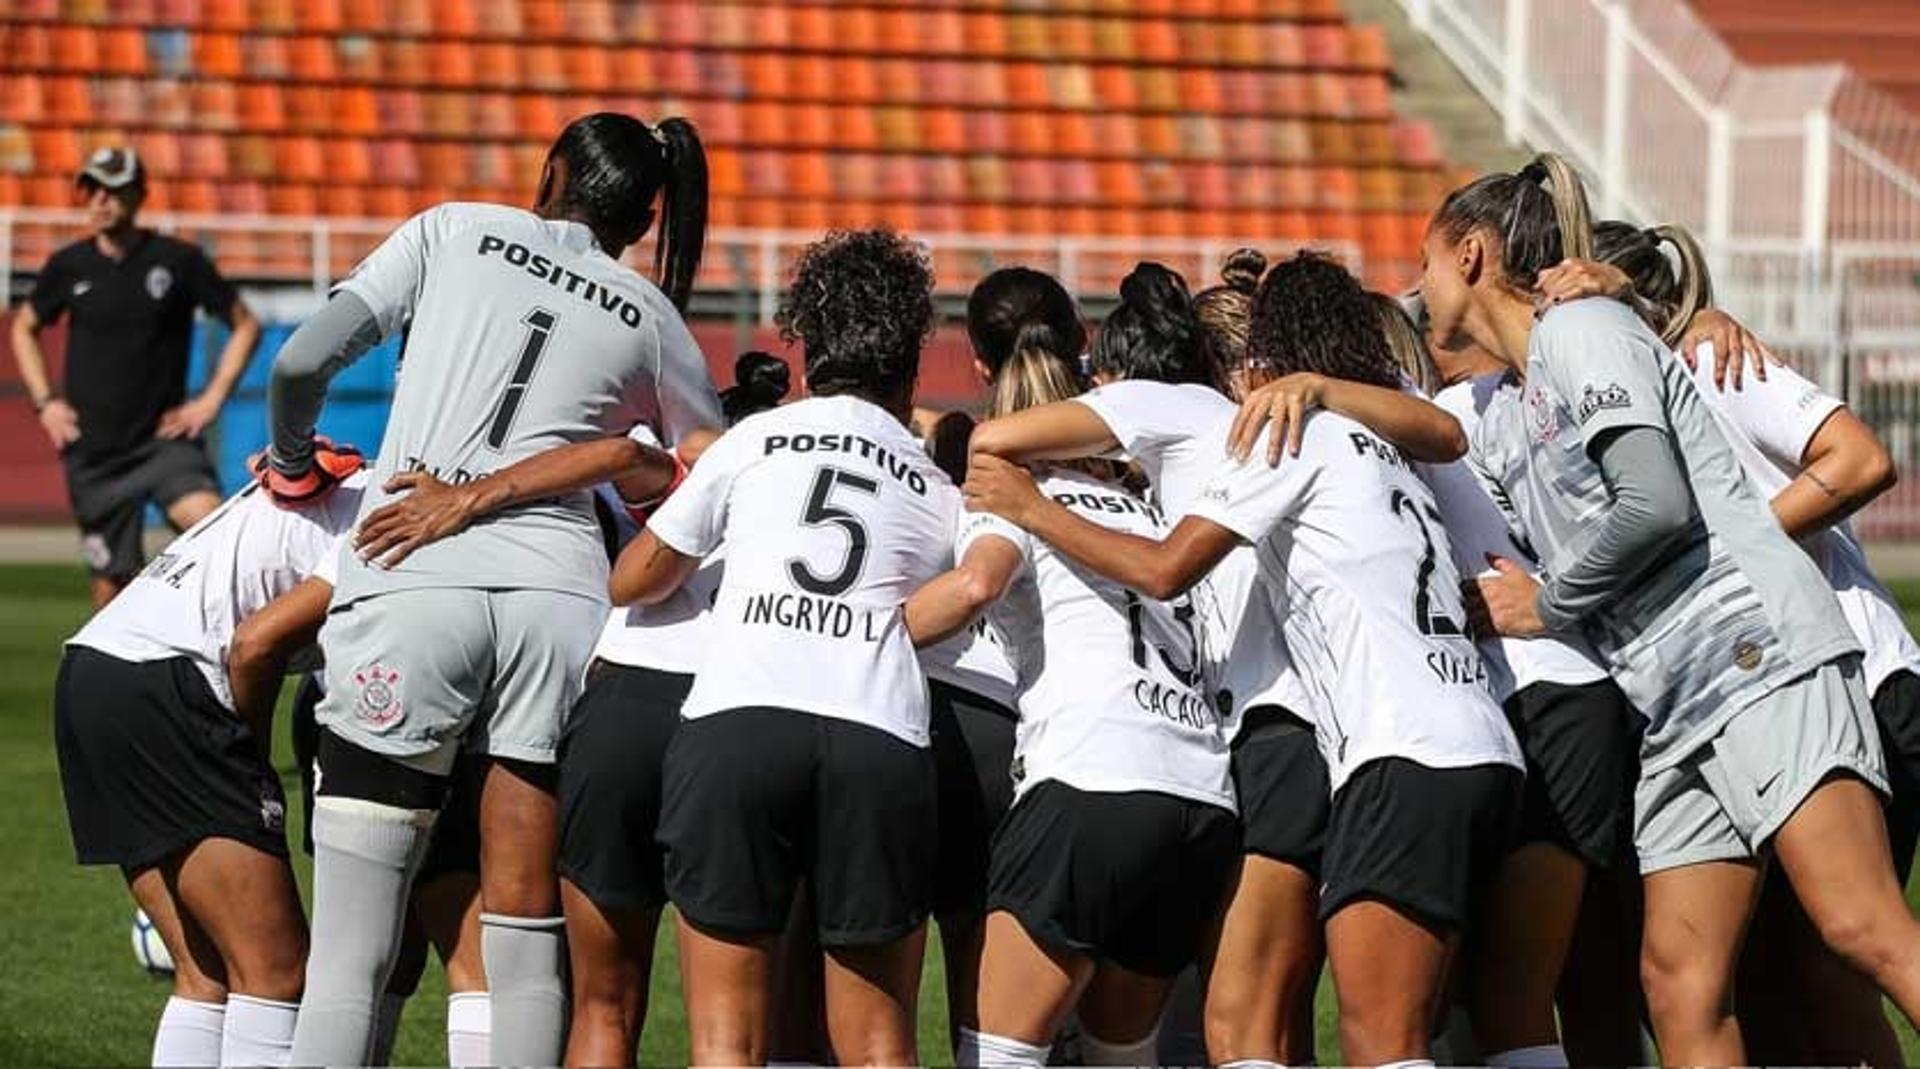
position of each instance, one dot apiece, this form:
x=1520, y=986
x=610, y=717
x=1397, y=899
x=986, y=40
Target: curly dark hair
x=1312, y=315
x=861, y=306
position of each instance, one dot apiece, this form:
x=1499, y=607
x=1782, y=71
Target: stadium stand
x=1239, y=120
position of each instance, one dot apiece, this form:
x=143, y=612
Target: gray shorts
x=410, y=672
x=1728, y=797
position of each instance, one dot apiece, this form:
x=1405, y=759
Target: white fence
x=1803, y=182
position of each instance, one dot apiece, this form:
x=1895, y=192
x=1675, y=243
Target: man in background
x=125, y=428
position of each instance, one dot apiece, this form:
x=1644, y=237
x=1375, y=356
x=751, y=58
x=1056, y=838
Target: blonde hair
x=1225, y=311
x=1036, y=373
x=1408, y=346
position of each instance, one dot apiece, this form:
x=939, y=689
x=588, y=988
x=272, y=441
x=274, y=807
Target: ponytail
x=1539, y=213
x=1406, y=344
x=615, y=166
x=1038, y=372
x=1154, y=334
x=1225, y=310
x=1010, y=299
x=683, y=210
x=1672, y=292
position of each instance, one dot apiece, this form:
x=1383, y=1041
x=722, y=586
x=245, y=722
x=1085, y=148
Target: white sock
x=984, y=1050
x=469, y=1029
x=1251, y=1063
x=259, y=1031
x=1140, y=1052
x=189, y=1033
x=1544, y=1056
x=1410, y=1063
x=386, y=1027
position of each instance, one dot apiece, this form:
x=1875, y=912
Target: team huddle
x=1480, y=645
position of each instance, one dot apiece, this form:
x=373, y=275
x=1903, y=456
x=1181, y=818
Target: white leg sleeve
x=529, y=1007
x=983, y=1050
x=259, y=1031
x=469, y=1030
x=1098, y=1051
x=364, y=857
x=189, y=1033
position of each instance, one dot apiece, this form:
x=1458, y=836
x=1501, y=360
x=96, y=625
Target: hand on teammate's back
x=1735, y=349
x=430, y=511
x=1504, y=603
x=61, y=423
x=1571, y=280
x=1001, y=487
x=329, y=464
x=1284, y=403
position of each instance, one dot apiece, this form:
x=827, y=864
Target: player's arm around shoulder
x=687, y=525
x=265, y=642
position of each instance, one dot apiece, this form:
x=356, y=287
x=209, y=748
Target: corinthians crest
x=378, y=702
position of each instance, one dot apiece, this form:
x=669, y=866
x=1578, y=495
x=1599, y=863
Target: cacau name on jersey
x=522, y=335
x=1109, y=687
x=1349, y=537
x=832, y=515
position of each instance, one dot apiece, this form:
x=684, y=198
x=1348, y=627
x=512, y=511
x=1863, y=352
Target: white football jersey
x=1769, y=424
x=188, y=601
x=1176, y=434
x=522, y=335
x=1372, y=607
x=1109, y=688
x=973, y=661
x=832, y=515
x=666, y=637
x=1476, y=529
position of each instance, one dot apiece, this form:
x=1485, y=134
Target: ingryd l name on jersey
x=815, y=615
x=560, y=277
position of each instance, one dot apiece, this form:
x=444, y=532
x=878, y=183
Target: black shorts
x=455, y=847
x=152, y=763
x=1896, y=708
x=1281, y=781
x=757, y=800
x=1420, y=839
x=1582, y=763
x=973, y=757
x=110, y=494
x=612, y=754
x=1134, y=878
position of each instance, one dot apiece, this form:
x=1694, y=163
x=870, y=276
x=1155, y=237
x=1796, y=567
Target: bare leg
x=1267, y=960
x=797, y=1027
x=521, y=930
x=724, y=981
x=198, y=973
x=611, y=952
x=872, y=994
x=1388, y=971
x=1834, y=850
x=1120, y=1007
x=449, y=910
x=1800, y=1003
x=190, y=508
x=104, y=588
x=1026, y=990
x=1514, y=960
x=246, y=901
x=1696, y=916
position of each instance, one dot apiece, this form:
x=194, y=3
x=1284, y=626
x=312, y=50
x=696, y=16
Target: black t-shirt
x=131, y=332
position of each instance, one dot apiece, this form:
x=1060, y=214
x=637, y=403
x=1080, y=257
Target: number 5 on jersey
x=821, y=512
x=540, y=324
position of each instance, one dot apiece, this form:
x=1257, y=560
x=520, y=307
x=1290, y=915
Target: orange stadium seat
x=76, y=49
x=943, y=32
x=69, y=101
x=123, y=50
x=312, y=59
x=204, y=155
x=262, y=106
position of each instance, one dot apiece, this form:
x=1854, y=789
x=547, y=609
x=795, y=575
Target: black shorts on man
x=152, y=763
x=757, y=800
x=1280, y=780
x=1582, y=763
x=1422, y=840
x=973, y=756
x=1134, y=878
x=612, y=757
x=110, y=494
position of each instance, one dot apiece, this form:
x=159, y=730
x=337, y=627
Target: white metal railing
x=313, y=252
x=1803, y=183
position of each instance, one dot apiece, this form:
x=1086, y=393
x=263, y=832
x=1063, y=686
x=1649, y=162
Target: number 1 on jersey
x=540, y=324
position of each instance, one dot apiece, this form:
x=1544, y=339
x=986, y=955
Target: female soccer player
x=803, y=751
x=1721, y=632
x=526, y=333
x=1385, y=1009
x=611, y=756
x=163, y=759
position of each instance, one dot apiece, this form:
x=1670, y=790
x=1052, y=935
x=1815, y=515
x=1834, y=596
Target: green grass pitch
x=70, y=993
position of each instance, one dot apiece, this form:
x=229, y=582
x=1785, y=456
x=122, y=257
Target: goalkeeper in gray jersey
x=525, y=335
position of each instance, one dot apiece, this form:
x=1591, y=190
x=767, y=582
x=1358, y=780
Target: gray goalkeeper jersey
x=522, y=336
x=1723, y=614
